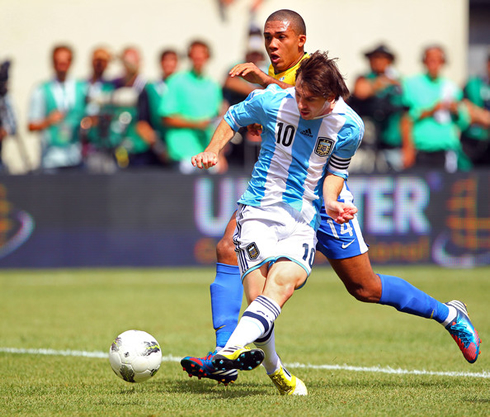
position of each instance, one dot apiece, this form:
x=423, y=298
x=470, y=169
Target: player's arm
x=253, y=74
x=338, y=211
x=179, y=122
x=209, y=158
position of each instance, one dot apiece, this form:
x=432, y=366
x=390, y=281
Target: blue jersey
x=295, y=154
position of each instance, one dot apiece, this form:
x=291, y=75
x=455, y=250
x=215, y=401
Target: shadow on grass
x=213, y=390
x=207, y=388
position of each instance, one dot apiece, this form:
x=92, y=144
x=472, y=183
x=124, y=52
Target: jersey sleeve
x=348, y=141
x=37, y=106
x=251, y=110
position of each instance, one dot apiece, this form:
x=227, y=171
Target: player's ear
x=301, y=40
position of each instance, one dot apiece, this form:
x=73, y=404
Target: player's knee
x=225, y=252
x=363, y=293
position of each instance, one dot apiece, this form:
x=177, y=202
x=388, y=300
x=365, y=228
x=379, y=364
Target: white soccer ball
x=135, y=356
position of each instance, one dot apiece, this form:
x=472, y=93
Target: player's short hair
x=199, y=42
x=322, y=76
x=62, y=47
x=166, y=52
x=437, y=47
x=298, y=24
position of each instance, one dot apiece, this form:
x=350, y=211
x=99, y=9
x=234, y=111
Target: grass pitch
x=342, y=349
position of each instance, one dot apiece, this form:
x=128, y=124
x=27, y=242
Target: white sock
x=271, y=362
x=256, y=321
x=451, y=316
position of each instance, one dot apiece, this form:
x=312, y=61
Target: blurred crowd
x=103, y=125
x=424, y=120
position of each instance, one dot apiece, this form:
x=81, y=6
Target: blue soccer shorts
x=339, y=241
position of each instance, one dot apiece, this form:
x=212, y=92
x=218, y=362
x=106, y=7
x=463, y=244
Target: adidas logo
x=307, y=132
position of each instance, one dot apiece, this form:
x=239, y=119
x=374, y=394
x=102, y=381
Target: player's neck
x=296, y=62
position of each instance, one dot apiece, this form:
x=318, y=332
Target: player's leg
x=346, y=251
x=226, y=289
x=226, y=301
x=361, y=282
x=267, y=290
x=265, y=306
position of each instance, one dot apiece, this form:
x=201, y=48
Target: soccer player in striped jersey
x=341, y=242
x=309, y=135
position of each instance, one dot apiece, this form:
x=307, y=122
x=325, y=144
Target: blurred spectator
x=8, y=119
x=133, y=151
x=150, y=125
x=377, y=98
x=131, y=77
x=95, y=133
x=56, y=109
x=189, y=106
x=438, y=116
x=243, y=147
x=476, y=139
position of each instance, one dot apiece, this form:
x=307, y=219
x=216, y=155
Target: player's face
x=283, y=45
x=62, y=61
x=309, y=105
x=199, y=56
x=434, y=61
x=379, y=63
x=169, y=64
x=99, y=65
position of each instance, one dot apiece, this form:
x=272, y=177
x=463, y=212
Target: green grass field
x=340, y=347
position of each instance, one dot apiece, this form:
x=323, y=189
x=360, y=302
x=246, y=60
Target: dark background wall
x=162, y=219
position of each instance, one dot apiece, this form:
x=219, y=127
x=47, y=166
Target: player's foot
x=203, y=368
x=238, y=357
x=288, y=384
x=463, y=332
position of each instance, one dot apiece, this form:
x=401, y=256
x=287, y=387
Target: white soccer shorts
x=265, y=234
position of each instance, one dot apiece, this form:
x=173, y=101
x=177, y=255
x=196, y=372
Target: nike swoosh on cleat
x=345, y=245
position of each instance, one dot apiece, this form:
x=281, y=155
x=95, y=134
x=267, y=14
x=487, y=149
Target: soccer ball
x=135, y=356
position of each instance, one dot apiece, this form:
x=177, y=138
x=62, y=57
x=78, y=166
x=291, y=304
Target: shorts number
x=310, y=252
x=285, y=135
x=344, y=228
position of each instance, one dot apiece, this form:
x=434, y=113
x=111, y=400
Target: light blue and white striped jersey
x=295, y=153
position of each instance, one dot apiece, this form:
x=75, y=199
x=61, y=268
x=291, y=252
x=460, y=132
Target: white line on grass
x=170, y=358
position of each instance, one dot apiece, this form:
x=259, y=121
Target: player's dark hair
x=166, y=52
x=322, y=76
x=298, y=24
x=61, y=47
x=199, y=42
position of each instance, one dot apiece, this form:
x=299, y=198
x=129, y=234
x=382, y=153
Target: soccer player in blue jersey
x=341, y=243
x=309, y=134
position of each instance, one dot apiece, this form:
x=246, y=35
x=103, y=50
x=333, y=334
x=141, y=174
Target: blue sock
x=226, y=301
x=398, y=293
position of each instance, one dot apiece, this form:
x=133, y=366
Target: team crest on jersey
x=253, y=251
x=324, y=146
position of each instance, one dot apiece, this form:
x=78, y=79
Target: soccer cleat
x=288, y=384
x=203, y=368
x=237, y=357
x=463, y=332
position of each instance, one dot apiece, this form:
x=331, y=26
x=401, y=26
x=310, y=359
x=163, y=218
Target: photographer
x=56, y=109
x=377, y=98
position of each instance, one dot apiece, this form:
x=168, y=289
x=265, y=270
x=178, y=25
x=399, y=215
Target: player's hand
x=248, y=71
x=255, y=129
x=340, y=212
x=205, y=160
x=55, y=117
